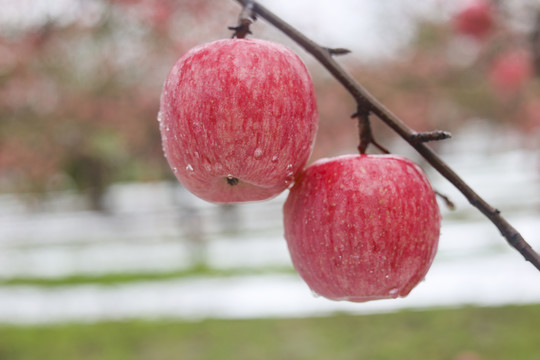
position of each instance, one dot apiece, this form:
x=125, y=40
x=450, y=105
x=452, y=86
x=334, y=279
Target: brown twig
x=338, y=51
x=449, y=203
x=428, y=136
x=364, y=98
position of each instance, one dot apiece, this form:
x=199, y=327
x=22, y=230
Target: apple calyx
x=232, y=180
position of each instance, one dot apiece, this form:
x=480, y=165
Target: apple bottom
x=362, y=227
x=229, y=189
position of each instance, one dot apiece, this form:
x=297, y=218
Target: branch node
x=428, y=136
x=337, y=51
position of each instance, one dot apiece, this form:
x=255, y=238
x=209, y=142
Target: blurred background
x=103, y=254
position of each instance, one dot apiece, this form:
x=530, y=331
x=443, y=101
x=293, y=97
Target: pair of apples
x=238, y=120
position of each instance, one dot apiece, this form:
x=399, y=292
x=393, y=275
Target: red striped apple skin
x=238, y=118
x=362, y=227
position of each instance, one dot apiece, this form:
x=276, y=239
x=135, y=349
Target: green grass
x=480, y=333
x=119, y=278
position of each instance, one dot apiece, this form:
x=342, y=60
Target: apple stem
x=246, y=18
x=365, y=133
x=370, y=104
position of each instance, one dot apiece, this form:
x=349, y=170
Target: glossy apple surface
x=362, y=227
x=475, y=19
x=238, y=118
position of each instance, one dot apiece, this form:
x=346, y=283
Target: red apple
x=238, y=118
x=362, y=227
x=476, y=19
x=510, y=70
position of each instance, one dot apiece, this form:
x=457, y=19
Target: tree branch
x=368, y=102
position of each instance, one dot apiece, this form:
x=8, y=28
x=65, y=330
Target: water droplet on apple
x=258, y=153
x=175, y=169
x=289, y=176
x=393, y=292
x=289, y=170
x=159, y=118
x=274, y=158
x=189, y=167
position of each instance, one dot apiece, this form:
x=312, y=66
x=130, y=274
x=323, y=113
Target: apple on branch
x=238, y=118
x=362, y=227
x=476, y=19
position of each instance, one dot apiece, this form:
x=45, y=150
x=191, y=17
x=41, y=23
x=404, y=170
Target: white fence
x=159, y=227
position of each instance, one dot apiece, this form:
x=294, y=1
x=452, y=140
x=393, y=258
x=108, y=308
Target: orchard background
x=92, y=220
